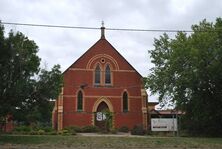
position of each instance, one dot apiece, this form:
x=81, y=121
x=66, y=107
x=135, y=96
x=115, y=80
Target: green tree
x=18, y=63
x=188, y=72
x=45, y=89
x=25, y=88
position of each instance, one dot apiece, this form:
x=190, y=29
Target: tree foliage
x=25, y=88
x=18, y=63
x=40, y=104
x=188, y=72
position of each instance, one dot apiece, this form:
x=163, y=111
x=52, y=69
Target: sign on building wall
x=100, y=116
x=163, y=124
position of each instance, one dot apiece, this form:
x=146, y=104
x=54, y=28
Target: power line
x=46, y=25
x=94, y=28
x=148, y=30
x=112, y=29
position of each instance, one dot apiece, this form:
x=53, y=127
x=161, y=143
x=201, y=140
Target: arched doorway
x=100, y=116
x=103, y=111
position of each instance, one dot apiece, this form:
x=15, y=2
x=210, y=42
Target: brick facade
x=80, y=77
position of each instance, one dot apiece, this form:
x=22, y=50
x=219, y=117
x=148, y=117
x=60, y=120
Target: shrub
x=41, y=132
x=124, y=129
x=47, y=129
x=52, y=133
x=90, y=129
x=73, y=128
x=65, y=131
x=60, y=132
x=138, y=130
x=33, y=132
x=73, y=132
x=113, y=131
x=22, y=129
x=109, y=120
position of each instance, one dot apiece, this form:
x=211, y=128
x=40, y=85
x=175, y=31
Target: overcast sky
x=64, y=46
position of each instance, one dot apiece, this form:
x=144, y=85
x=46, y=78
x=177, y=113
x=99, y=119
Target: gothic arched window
x=97, y=74
x=125, y=102
x=107, y=75
x=80, y=101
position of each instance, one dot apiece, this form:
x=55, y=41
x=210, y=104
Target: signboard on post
x=163, y=124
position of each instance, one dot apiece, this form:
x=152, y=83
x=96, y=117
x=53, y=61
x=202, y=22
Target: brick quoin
x=80, y=76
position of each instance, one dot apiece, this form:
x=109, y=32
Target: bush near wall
x=22, y=129
x=123, y=129
x=138, y=130
x=33, y=130
x=90, y=129
x=73, y=129
x=86, y=129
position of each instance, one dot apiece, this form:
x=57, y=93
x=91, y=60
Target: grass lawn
x=106, y=142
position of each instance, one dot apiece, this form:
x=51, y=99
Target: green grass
x=110, y=142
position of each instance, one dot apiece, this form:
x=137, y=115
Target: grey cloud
x=64, y=46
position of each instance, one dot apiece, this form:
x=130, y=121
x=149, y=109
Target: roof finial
x=102, y=23
x=102, y=31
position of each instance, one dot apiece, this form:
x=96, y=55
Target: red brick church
x=101, y=80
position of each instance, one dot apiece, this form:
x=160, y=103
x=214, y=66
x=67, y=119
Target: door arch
x=103, y=99
x=100, y=115
x=99, y=108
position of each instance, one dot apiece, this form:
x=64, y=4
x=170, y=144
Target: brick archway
x=102, y=99
x=100, y=116
x=99, y=105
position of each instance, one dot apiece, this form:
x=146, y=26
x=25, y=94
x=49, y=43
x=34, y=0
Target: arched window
x=97, y=74
x=80, y=101
x=125, y=102
x=107, y=75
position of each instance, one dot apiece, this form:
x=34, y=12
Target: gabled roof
x=103, y=39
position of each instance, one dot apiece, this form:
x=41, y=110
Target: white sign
x=163, y=124
x=100, y=116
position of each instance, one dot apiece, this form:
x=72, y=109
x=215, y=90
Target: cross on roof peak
x=102, y=23
x=102, y=31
